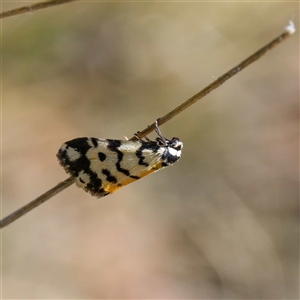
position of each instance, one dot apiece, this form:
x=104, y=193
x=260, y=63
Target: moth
x=102, y=166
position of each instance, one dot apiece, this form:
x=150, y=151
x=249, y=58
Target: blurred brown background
x=220, y=224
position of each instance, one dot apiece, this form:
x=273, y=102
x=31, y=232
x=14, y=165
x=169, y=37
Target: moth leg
x=157, y=130
x=137, y=136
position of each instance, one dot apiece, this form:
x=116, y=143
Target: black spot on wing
x=82, y=164
x=141, y=157
x=73, y=167
x=62, y=156
x=95, y=142
x=80, y=145
x=95, y=184
x=109, y=177
x=149, y=145
x=113, y=145
x=102, y=156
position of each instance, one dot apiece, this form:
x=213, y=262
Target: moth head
x=172, y=150
x=175, y=143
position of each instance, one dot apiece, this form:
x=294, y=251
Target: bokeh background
x=220, y=224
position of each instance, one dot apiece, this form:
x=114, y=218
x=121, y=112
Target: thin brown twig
x=36, y=202
x=31, y=8
x=290, y=29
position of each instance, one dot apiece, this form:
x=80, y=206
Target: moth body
x=102, y=166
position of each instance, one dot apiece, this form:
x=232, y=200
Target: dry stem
x=31, y=8
x=290, y=29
